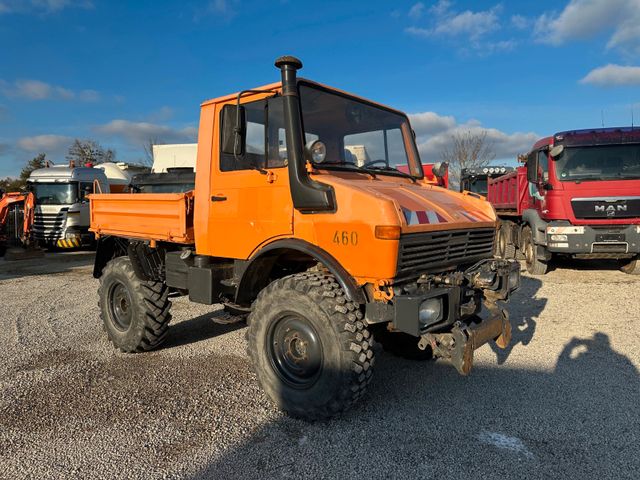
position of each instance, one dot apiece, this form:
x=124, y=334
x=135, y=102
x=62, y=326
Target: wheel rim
x=502, y=244
x=120, y=307
x=295, y=351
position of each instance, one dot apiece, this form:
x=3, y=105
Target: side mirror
x=234, y=135
x=532, y=168
x=556, y=151
x=440, y=169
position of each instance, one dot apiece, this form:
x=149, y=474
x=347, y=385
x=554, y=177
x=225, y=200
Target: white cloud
x=416, y=11
x=434, y=131
x=472, y=31
x=451, y=24
x=38, y=90
x=139, y=133
x=520, y=22
x=613, y=75
x=584, y=19
x=41, y=6
x=45, y=143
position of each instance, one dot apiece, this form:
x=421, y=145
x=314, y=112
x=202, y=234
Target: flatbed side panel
x=148, y=216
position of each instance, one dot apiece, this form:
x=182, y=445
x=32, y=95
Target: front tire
x=309, y=346
x=535, y=265
x=135, y=313
x=631, y=267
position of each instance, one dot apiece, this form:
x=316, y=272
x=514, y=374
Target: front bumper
x=457, y=330
x=605, y=241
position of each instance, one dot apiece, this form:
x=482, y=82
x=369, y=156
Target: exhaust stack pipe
x=308, y=195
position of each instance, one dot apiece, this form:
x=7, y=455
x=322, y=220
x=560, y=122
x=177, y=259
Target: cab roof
x=277, y=88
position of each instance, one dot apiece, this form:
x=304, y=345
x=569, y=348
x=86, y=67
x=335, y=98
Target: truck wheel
x=632, y=267
x=535, y=265
x=504, y=248
x=309, y=346
x=135, y=313
x=401, y=345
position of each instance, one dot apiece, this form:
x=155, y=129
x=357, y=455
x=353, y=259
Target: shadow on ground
x=524, y=309
x=198, y=329
x=424, y=421
x=50, y=263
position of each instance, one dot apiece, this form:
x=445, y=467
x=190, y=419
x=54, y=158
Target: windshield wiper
x=393, y=171
x=347, y=167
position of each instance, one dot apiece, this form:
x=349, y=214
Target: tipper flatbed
x=322, y=252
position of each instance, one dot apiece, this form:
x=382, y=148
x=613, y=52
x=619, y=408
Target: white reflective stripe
x=433, y=218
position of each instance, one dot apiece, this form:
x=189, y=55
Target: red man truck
x=578, y=195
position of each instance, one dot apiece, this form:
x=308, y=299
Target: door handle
x=218, y=198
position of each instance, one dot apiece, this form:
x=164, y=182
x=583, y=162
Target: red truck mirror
x=532, y=168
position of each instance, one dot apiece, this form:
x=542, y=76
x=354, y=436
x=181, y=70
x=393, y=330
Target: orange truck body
x=324, y=237
x=258, y=209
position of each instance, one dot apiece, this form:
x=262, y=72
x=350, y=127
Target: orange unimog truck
x=323, y=254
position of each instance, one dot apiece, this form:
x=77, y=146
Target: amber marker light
x=388, y=232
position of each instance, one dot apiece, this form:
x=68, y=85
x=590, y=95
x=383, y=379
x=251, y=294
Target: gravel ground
x=562, y=402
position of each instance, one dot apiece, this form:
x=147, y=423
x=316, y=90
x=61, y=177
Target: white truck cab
x=61, y=216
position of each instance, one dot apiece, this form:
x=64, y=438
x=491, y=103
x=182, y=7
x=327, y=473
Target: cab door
x=250, y=199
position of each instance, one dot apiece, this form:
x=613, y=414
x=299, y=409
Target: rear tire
x=402, y=345
x=309, y=346
x=504, y=248
x=535, y=265
x=631, y=267
x=135, y=313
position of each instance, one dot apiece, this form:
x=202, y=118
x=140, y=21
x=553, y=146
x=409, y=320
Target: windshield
x=358, y=134
x=55, y=193
x=604, y=162
x=476, y=185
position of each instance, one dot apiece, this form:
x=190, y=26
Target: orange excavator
x=16, y=219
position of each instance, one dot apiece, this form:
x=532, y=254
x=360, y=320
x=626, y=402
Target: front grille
x=49, y=226
x=432, y=251
x=610, y=207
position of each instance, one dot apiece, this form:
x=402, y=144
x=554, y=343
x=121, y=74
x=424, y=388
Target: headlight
x=491, y=170
x=316, y=151
x=430, y=312
x=559, y=238
x=485, y=170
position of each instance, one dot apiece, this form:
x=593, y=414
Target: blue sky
x=125, y=72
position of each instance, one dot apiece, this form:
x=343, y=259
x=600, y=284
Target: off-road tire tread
x=347, y=321
x=537, y=266
x=153, y=300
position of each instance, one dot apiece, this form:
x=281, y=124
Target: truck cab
x=475, y=179
x=582, y=198
x=61, y=217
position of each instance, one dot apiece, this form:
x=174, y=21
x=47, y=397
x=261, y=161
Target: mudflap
x=459, y=344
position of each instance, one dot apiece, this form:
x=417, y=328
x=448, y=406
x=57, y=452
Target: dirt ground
x=561, y=402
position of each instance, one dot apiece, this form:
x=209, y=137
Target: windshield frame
x=73, y=184
x=411, y=150
x=559, y=163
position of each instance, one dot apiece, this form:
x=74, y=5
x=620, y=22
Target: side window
x=543, y=165
x=255, y=154
x=85, y=189
x=276, y=137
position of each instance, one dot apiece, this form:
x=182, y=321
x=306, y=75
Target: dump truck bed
x=147, y=216
x=509, y=193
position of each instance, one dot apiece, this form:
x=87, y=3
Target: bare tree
x=468, y=149
x=148, y=151
x=82, y=152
